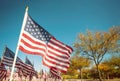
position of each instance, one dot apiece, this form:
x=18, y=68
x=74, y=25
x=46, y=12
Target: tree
x=95, y=45
x=111, y=67
x=105, y=69
x=71, y=70
x=78, y=62
x=114, y=62
x=86, y=73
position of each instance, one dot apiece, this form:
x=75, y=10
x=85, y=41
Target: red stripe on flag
x=28, y=52
x=60, y=60
x=32, y=47
x=64, y=71
x=56, y=49
x=57, y=55
x=56, y=63
x=66, y=47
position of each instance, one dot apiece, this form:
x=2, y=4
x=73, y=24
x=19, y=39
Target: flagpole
x=17, y=49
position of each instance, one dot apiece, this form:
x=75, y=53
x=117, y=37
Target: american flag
x=3, y=72
x=54, y=73
x=30, y=68
x=26, y=69
x=23, y=69
x=36, y=40
x=8, y=57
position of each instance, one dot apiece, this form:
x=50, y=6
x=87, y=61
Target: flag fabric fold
x=38, y=41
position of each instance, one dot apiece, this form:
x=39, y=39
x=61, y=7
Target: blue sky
x=64, y=19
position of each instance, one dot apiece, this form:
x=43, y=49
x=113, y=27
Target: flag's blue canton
x=8, y=53
x=27, y=61
x=36, y=30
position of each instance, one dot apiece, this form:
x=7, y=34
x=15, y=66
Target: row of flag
x=23, y=69
x=34, y=39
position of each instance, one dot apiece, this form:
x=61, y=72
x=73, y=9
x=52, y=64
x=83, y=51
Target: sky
x=64, y=19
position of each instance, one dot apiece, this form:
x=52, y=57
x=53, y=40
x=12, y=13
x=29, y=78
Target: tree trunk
x=99, y=73
x=81, y=74
x=108, y=76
